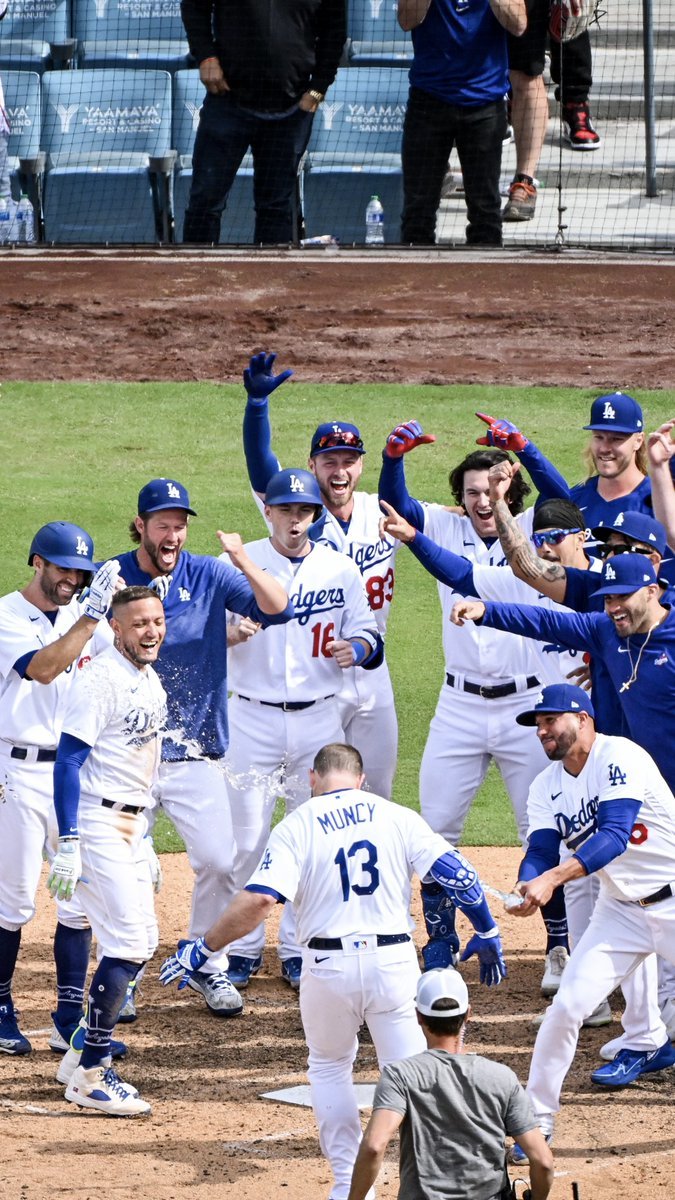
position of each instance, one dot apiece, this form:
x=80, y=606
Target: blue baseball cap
x=163, y=493
x=336, y=435
x=616, y=413
x=626, y=574
x=558, y=698
x=638, y=527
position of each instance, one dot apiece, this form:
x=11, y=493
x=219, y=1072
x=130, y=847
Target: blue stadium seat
x=28, y=30
x=237, y=225
x=375, y=36
x=99, y=129
x=22, y=101
x=355, y=152
x=121, y=33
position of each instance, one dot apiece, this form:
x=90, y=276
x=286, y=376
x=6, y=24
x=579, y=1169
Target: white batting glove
x=189, y=957
x=66, y=869
x=101, y=590
x=161, y=585
x=154, y=864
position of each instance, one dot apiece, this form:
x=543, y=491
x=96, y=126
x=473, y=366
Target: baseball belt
x=490, y=691
x=663, y=893
x=24, y=752
x=125, y=808
x=286, y=705
x=383, y=939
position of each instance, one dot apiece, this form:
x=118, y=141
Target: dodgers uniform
x=366, y=698
x=284, y=704
x=635, y=912
x=193, y=669
x=31, y=715
x=346, y=859
x=119, y=711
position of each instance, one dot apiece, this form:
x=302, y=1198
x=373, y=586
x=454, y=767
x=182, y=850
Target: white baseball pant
x=368, y=717
x=339, y=990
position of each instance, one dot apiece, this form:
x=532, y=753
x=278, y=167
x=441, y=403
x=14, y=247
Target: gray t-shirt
x=458, y=1109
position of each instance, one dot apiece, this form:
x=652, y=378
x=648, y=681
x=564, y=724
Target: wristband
x=489, y=933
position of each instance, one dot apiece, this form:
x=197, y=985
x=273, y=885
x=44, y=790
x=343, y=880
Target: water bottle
x=374, y=222
x=5, y=221
x=25, y=220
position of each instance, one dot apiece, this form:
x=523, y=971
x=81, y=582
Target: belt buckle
x=285, y=707
x=486, y=692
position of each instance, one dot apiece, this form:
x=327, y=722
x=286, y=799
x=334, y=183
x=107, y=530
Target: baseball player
x=485, y=677
x=601, y=806
x=634, y=637
x=193, y=670
x=284, y=683
x=345, y=859
x=106, y=763
x=350, y=523
x=44, y=635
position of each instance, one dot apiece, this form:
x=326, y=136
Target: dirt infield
x=211, y=1137
x=347, y=318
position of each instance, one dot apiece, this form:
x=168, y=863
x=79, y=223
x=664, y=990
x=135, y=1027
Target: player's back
x=346, y=859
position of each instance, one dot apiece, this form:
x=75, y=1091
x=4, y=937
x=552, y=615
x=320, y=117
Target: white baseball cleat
x=101, y=1088
x=221, y=996
x=554, y=964
x=602, y=1015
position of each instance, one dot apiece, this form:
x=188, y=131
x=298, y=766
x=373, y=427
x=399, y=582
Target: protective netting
x=103, y=101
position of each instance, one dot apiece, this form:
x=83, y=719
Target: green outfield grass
x=81, y=451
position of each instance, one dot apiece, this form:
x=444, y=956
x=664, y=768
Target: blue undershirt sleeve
x=22, y=664
x=543, y=853
x=70, y=756
x=444, y=565
x=261, y=462
x=615, y=824
x=546, y=478
x=392, y=488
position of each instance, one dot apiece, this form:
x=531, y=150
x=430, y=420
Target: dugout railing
x=103, y=103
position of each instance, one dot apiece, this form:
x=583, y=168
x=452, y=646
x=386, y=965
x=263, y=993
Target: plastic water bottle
x=374, y=222
x=5, y=221
x=25, y=220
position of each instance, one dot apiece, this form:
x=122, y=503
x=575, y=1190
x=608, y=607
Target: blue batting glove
x=189, y=957
x=488, y=947
x=501, y=433
x=259, y=380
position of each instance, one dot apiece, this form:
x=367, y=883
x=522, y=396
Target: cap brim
x=530, y=718
x=622, y=589
x=164, y=507
x=612, y=428
x=332, y=449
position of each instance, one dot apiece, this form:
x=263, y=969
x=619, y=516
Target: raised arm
x=392, y=486
x=260, y=381
x=549, y=578
x=661, y=451
x=268, y=592
x=506, y=436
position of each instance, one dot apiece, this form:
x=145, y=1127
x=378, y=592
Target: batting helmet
x=294, y=486
x=65, y=545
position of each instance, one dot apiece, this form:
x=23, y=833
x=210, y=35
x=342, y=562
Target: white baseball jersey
x=291, y=662
x=31, y=713
x=346, y=859
x=500, y=584
x=472, y=650
x=616, y=769
x=120, y=712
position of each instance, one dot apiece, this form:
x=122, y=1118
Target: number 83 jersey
x=345, y=859
x=372, y=553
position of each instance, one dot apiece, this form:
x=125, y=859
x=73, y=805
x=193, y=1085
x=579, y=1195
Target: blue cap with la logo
x=626, y=574
x=558, y=698
x=163, y=493
x=616, y=413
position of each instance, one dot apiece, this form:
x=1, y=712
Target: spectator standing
x=266, y=70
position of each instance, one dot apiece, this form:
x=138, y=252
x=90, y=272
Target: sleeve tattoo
x=519, y=553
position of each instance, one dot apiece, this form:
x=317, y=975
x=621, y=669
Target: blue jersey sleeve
x=448, y=568
x=70, y=755
x=392, y=488
x=545, y=477
x=261, y=462
x=615, y=820
x=543, y=853
x=574, y=631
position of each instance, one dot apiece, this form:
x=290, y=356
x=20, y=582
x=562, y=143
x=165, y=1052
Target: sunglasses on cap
x=607, y=551
x=552, y=537
x=342, y=438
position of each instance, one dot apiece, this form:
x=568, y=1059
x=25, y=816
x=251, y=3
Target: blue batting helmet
x=65, y=545
x=294, y=486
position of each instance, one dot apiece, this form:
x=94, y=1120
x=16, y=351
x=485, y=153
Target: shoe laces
x=114, y=1084
x=219, y=980
x=519, y=186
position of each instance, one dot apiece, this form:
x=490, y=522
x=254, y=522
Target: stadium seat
x=355, y=152
x=123, y=33
x=238, y=220
x=375, y=36
x=100, y=130
x=30, y=31
x=22, y=102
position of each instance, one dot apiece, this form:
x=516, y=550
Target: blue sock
x=10, y=940
x=106, y=996
x=555, y=920
x=71, y=955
